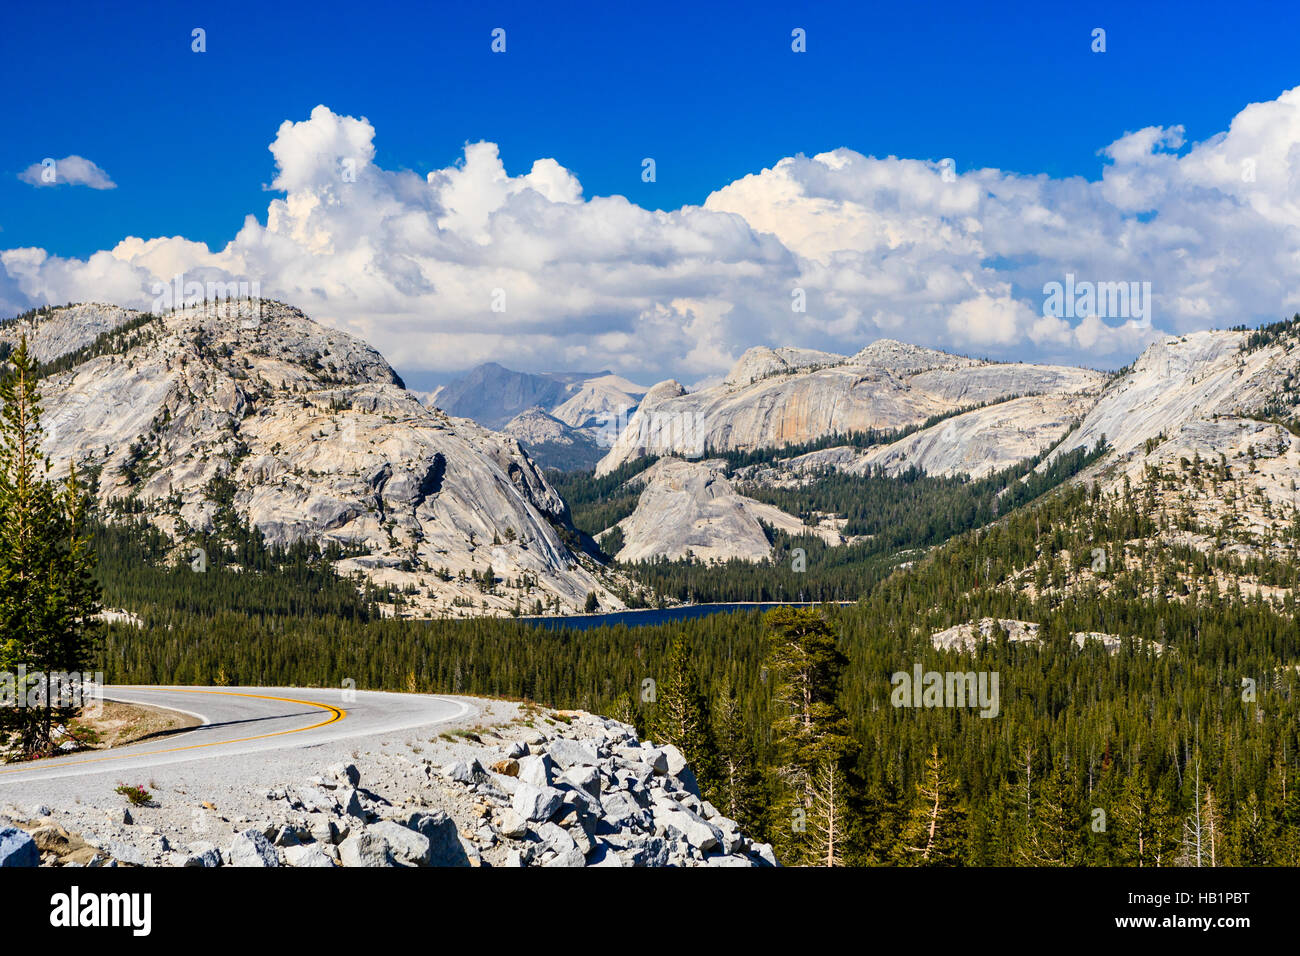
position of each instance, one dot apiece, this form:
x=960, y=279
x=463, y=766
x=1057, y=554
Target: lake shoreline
x=644, y=617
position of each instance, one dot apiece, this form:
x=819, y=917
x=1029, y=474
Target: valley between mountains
x=271, y=506
x=250, y=412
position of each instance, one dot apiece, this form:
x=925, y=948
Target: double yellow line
x=336, y=714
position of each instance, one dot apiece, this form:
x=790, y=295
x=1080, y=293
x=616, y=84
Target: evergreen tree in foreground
x=682, y=714
x=740, y=783
x=48, y=595
x=936, y=828
x=815, y=748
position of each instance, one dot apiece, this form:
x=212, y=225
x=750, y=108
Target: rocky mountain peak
x=56, y=331
x=779, y=397
x=904, y=358
x=762, y=362
x=320, y=441
x=691, y=507
x=271, y=334
x=662, y=392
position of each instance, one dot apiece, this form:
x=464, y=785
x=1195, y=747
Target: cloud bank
x=470, y=264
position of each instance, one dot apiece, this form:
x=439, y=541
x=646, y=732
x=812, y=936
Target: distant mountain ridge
x=553, y=443
x=586, y=407
x=308, y=433
x=492, y=394
x=788, y=396
x=1231, y=397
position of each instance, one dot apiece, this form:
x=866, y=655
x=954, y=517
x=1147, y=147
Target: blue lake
x=581, y=622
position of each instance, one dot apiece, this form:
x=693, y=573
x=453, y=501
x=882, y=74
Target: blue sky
x=712, y=95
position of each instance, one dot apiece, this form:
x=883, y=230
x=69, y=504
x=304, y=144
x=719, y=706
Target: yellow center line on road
x=336, y=714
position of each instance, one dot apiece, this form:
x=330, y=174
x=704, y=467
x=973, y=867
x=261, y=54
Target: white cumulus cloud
x=421, y=266
x=69, y=171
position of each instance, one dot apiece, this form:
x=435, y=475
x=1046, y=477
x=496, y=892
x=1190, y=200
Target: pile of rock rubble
x=579, y=790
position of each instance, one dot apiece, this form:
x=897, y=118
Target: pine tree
x=1211, y=829
x=1283, y=806
x=48, y=595
x=936, y=828
x=1148, y=826
x=739, y=781
x=681, y=716
x=807, y=665
x=621, y=709
x=995, y=830
x=830, y=815
x=1055, y=832
x=812, y=737
x=1250, y=838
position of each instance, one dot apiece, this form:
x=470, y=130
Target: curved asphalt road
x=242, y=727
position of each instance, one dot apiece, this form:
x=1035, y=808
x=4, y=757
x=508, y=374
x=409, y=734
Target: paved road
x=243, y=728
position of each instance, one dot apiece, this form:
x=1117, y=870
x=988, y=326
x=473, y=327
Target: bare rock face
x=1194, y=423
x=534, y=425
x=1183, y=379
x=52, y=333
x=977, y=384
x=976, y=443
x=771, y=412
x=318, y=439
x=663, y=392
x=691, y=506
x=906, y=359
x=986, y=440
x=762, y=362
x=787, y=396
x=968, y=636
x=595, y=401
x=551, y=442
